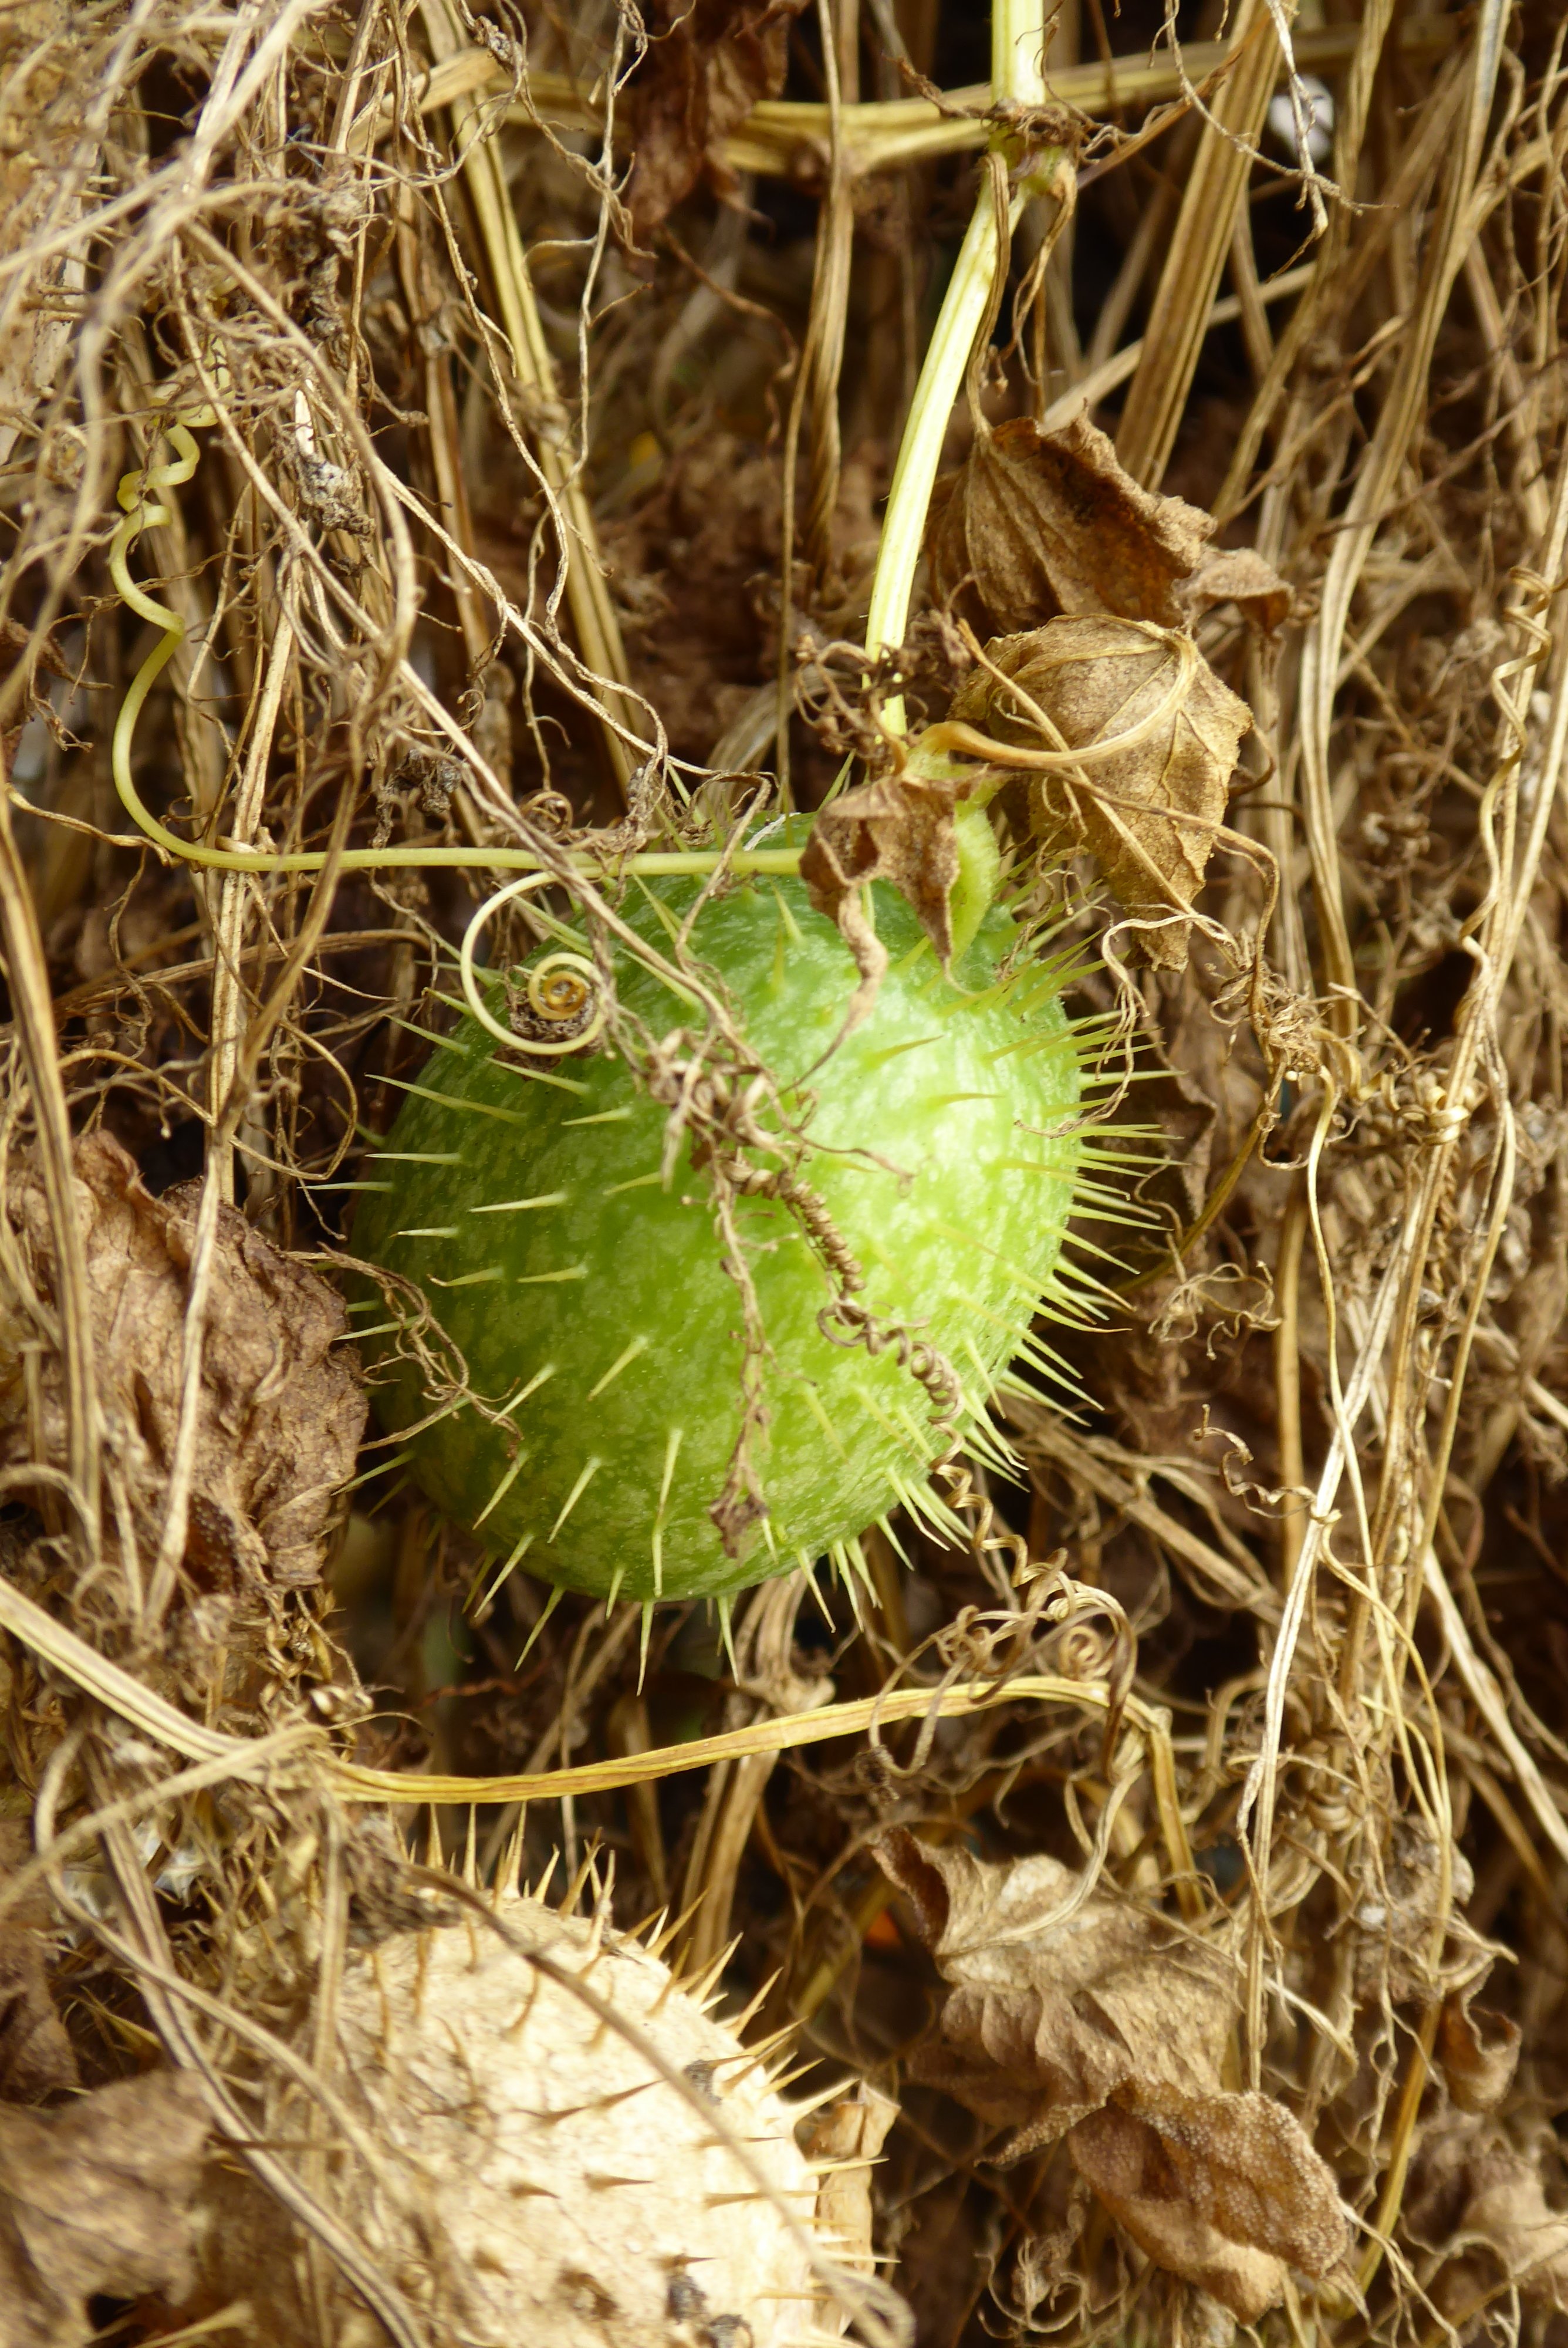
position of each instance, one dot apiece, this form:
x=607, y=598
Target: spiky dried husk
x=534, y=2178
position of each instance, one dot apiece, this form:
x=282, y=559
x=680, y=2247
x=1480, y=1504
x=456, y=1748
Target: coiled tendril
x=559, y=987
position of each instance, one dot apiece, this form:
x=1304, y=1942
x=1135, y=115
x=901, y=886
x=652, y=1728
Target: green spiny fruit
x=590, y=1299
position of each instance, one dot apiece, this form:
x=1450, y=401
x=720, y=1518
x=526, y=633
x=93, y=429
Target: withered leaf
x=1095, y=2020
x=1047, y=2020
x=95, y=2198
x=35, y=2056
x=899, y=829
x=850, y=2135
x=707, y=64
x=1246, y=2168
x=281, y=1409
x=1036, y=525
x=1149, y=811
x=1235, y=575
x=1479, y=2196
x=1129, y=2167
x=1479, y=2051
x=1407, y=1887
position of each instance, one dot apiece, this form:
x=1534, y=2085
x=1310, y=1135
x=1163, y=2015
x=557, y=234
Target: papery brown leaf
x=96, y=2199
x=897, y=829
x=1095, y=2020
x=1149, y=813
x=1046, y=2023
x=1036, y=525
x=281, y=1410
x=850, y=2133
x=1479, y=2196
x=1405, y=1889
x=707, y=64
x=1245, y=2166
x=1479, y=2051
x=37, y=2057
x=1127, y=2165
x=1235, y=575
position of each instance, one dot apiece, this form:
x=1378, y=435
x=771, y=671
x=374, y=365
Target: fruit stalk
x=1018, y=49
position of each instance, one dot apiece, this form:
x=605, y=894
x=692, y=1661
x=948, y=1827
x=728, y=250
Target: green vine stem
x=1017, y=50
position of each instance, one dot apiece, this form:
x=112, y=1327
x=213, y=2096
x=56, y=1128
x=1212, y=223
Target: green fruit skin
x=607, y=1291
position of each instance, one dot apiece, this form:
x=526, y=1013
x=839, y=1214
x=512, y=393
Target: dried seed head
x=532, y=2175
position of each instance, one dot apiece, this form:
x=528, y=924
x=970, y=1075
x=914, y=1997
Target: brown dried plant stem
x=1456, y=225
x=890, y=134
x=586, y=589
x=1204, y=231
x=27, y=973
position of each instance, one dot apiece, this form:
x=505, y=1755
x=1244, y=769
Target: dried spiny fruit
x=591, y=1298
x=536, y=2178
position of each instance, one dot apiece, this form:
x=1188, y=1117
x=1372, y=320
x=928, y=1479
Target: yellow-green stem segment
x=1018, y=48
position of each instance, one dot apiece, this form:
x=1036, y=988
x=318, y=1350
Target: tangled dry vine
x=454, y=467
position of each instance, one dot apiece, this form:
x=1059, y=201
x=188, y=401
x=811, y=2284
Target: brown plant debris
x=280, y=1413
x=899, y=829
x=37, y=2057
x=1161, y=733
x=96, y=2199
x=1109, y=2031
x=1477, y=2197
x=1039, y=525
x=848, y=2138
x=511, y=330
x=707, y=64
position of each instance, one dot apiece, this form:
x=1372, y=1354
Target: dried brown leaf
x=1478, y=2050
x=35, y=2056
x=1047, y=2022
x=1038, y=524
x=1129, y=2165
x=1091, y=2019
x=1163, y=732
x=850, y=2135
x=708, y=63
x=1235, y=575
x=1247, y=2169
x=897, y=829
x=96, y=2199
x=280, y=1411
x=1478, y=2194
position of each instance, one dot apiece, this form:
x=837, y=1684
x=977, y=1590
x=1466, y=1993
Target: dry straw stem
x=485, y=512
x=890, y=134
x=210, y=1748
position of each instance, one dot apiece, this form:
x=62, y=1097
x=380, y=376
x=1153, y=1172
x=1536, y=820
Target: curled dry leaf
x=1161, y=733
x=707, y=64
x=281, y=1411
x=849, y=2135
x=1039, y=524
x=1475, y=2195
x=96, y=2199
x=1092, y=2020
x=1235, y=574
x=35, y=2056
x=1411, y=1889
x=1479, y=2051
x=897, y=829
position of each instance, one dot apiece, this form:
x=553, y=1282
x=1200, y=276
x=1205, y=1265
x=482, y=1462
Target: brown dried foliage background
x=1221, y=1974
